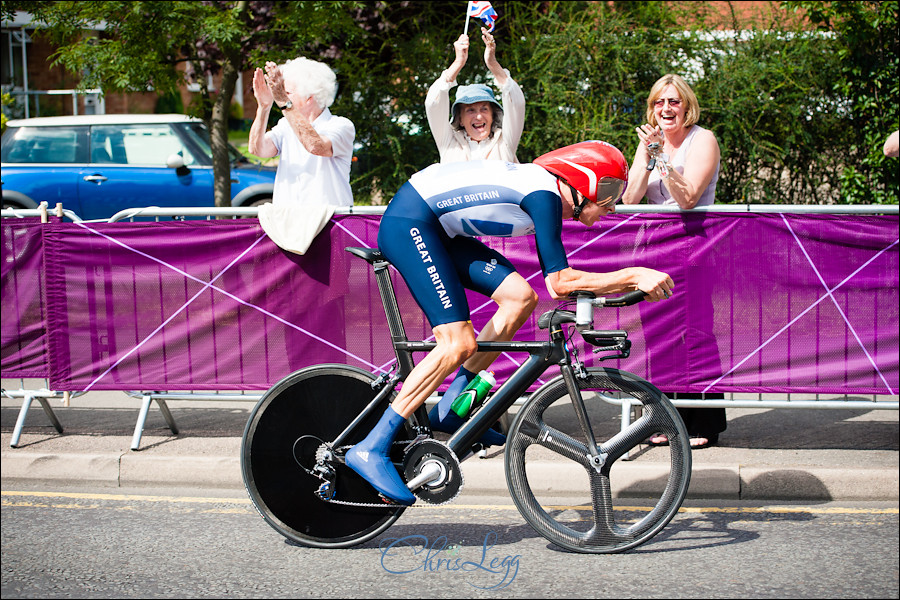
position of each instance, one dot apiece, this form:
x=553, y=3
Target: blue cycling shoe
x=370, y=458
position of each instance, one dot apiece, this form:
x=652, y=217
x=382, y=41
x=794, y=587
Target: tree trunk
x=218, y=133
x=218, y=125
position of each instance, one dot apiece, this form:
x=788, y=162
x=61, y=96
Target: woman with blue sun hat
x=479, y=126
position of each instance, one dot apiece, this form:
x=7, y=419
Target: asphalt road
x=78, y=543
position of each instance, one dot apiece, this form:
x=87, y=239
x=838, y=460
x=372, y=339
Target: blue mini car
x=99, y=165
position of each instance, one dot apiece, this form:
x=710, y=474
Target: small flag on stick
x=483, y=11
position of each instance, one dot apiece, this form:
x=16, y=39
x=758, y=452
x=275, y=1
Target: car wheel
x=9, y=204
x=258, y=202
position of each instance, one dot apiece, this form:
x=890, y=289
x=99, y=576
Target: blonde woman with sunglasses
x=677, y=161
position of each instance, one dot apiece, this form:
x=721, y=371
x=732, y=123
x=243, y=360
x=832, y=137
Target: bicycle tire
x=319, y=401
x=599, y=526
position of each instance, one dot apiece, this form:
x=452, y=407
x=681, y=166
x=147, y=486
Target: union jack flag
x=485, y=12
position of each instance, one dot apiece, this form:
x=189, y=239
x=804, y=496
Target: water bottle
x=473, y=394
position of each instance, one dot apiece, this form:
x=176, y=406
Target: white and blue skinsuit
x=429, y=228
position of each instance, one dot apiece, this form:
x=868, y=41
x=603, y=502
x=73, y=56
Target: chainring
x=430, y=453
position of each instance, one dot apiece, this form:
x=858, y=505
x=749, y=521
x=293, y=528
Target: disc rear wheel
x=315, y=404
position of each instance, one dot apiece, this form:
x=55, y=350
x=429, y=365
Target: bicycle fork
x=597, y=458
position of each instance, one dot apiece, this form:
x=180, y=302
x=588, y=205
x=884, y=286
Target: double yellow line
x=37, y=499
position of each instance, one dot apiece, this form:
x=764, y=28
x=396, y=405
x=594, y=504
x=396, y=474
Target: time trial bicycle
x=294, y=443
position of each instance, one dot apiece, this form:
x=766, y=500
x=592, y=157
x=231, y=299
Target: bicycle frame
x=541, y=356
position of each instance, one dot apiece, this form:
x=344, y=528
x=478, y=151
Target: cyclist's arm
x=655, y=284
x=545, y=211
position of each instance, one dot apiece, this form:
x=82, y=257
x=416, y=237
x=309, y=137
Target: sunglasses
x=673, y=102
x=609, y=191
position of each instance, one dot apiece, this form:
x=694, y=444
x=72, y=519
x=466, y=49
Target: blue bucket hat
x=470, y=94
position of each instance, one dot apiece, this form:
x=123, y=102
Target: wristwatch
x=287, y=105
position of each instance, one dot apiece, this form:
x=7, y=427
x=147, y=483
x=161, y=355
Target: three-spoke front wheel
x=548, y=426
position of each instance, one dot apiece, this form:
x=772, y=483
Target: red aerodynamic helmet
x=596, y=169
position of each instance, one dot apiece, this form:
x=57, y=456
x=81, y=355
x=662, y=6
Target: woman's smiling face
x=669, y=108
x=477, y=119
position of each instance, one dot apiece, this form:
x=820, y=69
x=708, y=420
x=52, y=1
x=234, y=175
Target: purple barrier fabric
x=782, y=303
x=23, y=339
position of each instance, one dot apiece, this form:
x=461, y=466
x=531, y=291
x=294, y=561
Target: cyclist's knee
x=530, y=302
x=521, y=304
x=463, y=348
x=516, y=295
x=456, y=341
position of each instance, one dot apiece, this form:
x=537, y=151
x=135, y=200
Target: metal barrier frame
x=628, y=409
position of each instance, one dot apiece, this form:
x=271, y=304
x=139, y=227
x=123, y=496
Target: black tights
x=702, y=422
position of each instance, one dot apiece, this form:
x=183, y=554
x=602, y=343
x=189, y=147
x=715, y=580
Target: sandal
x=658, y=440
x=696, y=444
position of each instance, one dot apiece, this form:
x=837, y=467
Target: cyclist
x=429, y=231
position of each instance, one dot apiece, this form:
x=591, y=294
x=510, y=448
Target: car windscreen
x=198, y=133
x=137, y=144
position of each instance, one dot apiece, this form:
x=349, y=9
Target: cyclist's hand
x=656, y=284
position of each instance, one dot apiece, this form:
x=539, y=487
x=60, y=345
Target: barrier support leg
x=142, y=419
x=20, y=421
x=167, y=415
x=23, y=414
x=48, y=410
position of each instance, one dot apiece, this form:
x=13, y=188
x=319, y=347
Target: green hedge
x=800, y=111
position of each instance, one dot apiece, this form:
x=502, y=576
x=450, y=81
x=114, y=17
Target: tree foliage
x=788, y=110
x=801, y=100
x=864, y=59
x=165, y=45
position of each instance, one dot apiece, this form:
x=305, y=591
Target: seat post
x=392, y=312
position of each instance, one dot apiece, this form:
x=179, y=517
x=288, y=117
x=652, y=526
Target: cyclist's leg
x=516, y=300
x=486, y=271
x=414, y=242
x=455, y=343
x=371, y=457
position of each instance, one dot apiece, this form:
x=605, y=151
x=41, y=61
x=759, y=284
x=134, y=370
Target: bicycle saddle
x=370, y=255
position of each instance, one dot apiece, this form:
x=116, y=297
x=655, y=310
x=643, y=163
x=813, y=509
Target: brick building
x=26, y=72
